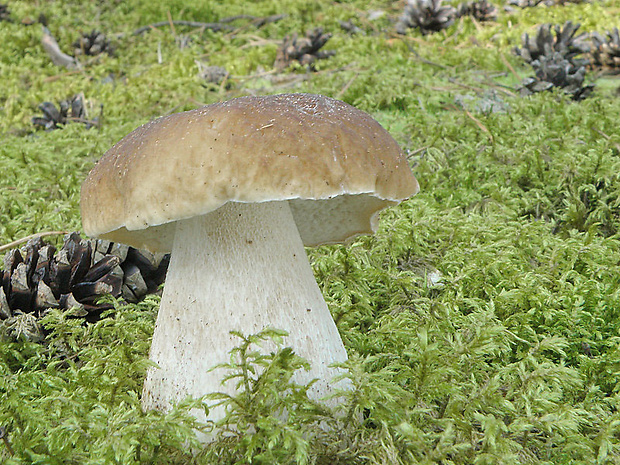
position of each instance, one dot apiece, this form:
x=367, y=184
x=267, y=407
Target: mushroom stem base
x=242, y=267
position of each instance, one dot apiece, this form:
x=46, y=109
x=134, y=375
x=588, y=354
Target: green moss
x=481, y=319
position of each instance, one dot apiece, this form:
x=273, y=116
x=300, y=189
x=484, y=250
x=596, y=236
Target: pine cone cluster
x=70, y=110
x=564, y=41
x=556, y=71
x=555, y=54
x=605, y=51
x=211, y=74
x=426, y=15
x=38, y=277
x=305, y=50
x=92, y=43
x=481, y=10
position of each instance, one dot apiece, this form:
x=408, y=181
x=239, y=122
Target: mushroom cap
x=335, y=165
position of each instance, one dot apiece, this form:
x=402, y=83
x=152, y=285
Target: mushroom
x=235, y=190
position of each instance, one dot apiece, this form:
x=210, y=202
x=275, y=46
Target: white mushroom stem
x=242, y=267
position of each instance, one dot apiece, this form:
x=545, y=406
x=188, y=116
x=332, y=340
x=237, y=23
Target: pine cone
x=5, y=14
x=303, y=49
x=555, y=70
x=427, y=15
x=481, y=10
x=545, y=43
x=92, y=43
x=70, y=110
x=143, y=272
x=605, y=52
x=38, y=277
x=211, y=74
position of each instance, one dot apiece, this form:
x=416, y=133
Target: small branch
x=598, y=131
x=15, y=243
x=260, y=22
x=480, y=125
x=255, y=76
x=6, y=440
x=417, y=55
x=502, y=88
x=607, y=137
x=216, y=27
x=92, y=122
x=224, y=82
x=53, y=50
x=174, y=32
x=256, y=41
x=413, y=153
x=256, y=21
x=346, y=86
x=478, y=90
x=510, y=67
x=59, y=76
x=230, y=19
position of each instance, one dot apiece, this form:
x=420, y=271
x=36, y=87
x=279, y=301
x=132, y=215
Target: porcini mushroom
x=235, y=190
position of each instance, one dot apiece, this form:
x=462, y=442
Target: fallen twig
x=478, y=90
x=6, y=440
x=507, y=90
x=255, y=76
x=417, y=55
x=59, y=76
x=53, y=50
x=260, y=22
x=256, y=41
x=170, y=21
x=346, y=86
x=15, y=243
x=480, y=125
x=607, y=137
x=216, y=27
x=413, y=153
x=510, y=67
x=256, y=22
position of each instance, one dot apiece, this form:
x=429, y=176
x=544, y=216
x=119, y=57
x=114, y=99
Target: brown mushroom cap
x=336, y=165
